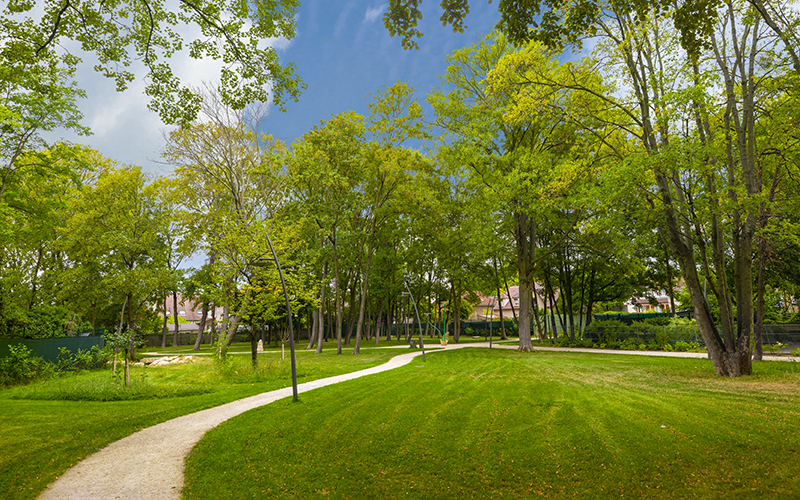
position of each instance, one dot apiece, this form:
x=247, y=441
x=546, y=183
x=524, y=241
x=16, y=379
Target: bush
x=22, y=366
x=606, y=329
x=92, y=359
x=678, y=321
x=682, y=346
x=629, y=345
x=65, y=362
x=656, y=321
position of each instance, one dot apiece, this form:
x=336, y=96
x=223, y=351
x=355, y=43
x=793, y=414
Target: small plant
x=681, y=346
x=629, y=345
x=601, y=346
x=65, y=363
x=796, y=352
x=774, y=348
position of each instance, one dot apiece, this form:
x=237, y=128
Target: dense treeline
x=627, y=171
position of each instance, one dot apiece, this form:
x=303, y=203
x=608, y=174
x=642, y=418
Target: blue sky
x=342, y=51
x=345, y=54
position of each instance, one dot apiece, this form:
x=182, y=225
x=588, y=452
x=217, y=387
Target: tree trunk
x=378, y=325
x=201, y=327
x=364, y=289
x=351, y=316
x=164, y=325
x=176, y=333
x=254, y=349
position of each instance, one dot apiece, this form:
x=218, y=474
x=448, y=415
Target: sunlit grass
x=48, y=426
x=499, y=424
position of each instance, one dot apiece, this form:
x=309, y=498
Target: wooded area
x=644, y=164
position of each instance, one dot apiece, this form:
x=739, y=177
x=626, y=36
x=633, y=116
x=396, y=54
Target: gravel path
x=148, y=465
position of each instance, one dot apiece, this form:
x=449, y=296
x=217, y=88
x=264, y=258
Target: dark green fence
x=48, y=348
x=783, y=333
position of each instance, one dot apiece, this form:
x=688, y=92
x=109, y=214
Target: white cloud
x=373, y=13
x=341, y=20
x=124, y=129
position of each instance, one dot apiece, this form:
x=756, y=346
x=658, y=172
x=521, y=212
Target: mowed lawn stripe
x=480, y=424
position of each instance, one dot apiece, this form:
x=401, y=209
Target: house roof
x=192, y=311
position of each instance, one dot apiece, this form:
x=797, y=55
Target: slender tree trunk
x=176, y=333
x=364, y=289
x=351, y=316
x=670, y=287
x=378, y=326
x=201, y=327
x=510, y=298
x=321, y=328
x=164, y=325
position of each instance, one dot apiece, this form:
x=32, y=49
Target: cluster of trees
x=660, y=156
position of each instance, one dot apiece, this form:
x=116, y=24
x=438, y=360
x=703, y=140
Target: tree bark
x=176, y=333
x=164, y=325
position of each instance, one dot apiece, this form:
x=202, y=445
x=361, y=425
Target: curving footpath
x=149, y=464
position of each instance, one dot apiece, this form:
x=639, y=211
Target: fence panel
x=48, y=348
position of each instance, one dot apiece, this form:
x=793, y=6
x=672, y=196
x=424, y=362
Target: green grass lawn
x=48, y=426
x=475, y=423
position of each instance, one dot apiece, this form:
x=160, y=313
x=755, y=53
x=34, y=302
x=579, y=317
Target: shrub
x=678, y=321
x=629, y=345
x=91, y=359
x=606, y=329
x=682, y=346
x=65, y=362
x=796, y=352
x=22, y=366
x=562, y=342
x=657, y=321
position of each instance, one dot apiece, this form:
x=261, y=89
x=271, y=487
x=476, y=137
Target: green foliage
x=657, y=321
x=774, y=348
x=65, y=362
x=120, y=33
x=21, y=366
x=40, y=321
x=90, y=359
x=608, y=329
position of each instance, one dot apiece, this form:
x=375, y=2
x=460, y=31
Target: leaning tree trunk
x=201, y=327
